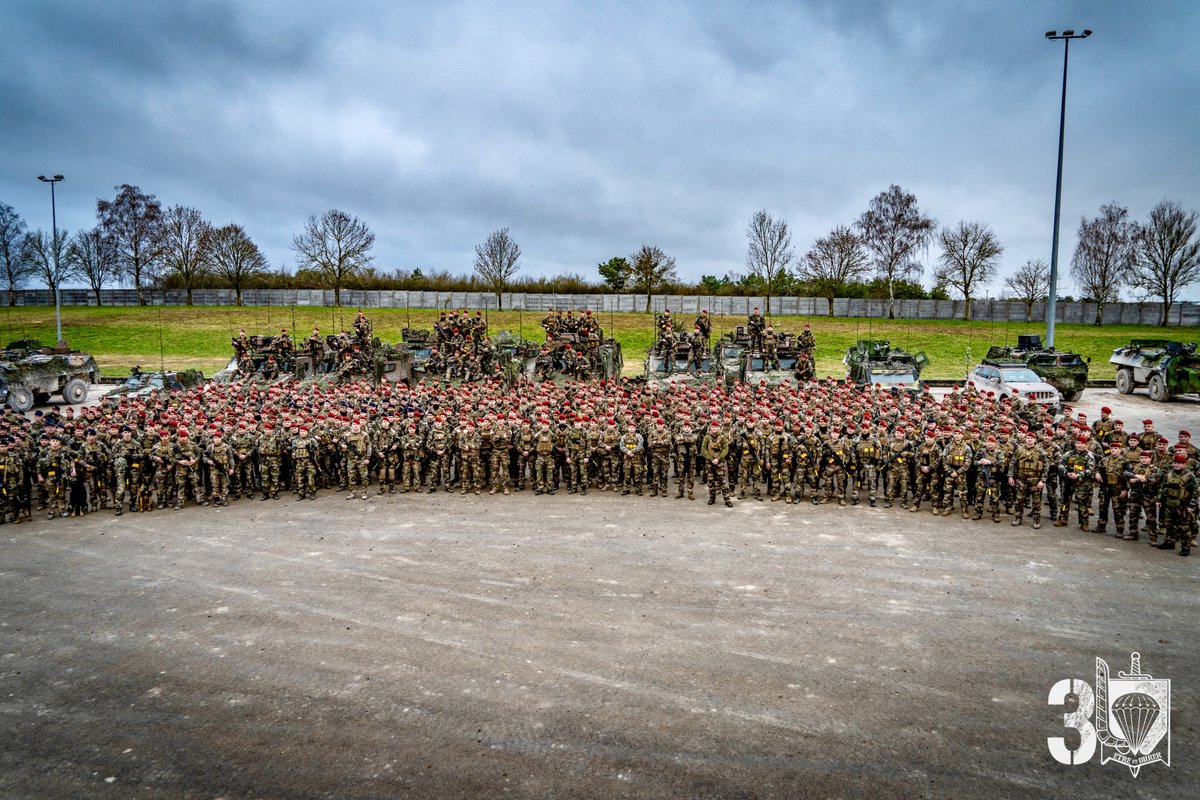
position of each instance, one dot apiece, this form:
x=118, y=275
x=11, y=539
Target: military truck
x=1066, y=372
x=1166, y=368
x=30, y=374
x=552, y=362
x=756, y=370
x=875, y=362
x=140, y=384
x=662, y=369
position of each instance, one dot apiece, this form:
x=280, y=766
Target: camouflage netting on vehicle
x=41, y=368
x=190, y=378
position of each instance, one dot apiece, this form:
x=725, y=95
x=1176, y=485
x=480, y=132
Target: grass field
x=198, y=337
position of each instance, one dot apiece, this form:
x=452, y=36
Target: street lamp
x=1066, y=37
x=54, y=246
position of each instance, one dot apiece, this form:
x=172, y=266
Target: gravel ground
x=445, y=646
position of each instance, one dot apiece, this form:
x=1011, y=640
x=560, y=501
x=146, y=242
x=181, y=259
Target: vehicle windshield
x=893, y=377
x=730, y=352
x=1020, y=376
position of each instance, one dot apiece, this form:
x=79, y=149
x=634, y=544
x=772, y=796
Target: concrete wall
x=1182, y=314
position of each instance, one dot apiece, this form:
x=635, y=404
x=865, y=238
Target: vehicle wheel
x=41, y=398
x=1075, y=395
x=20, y=398
x=76, y=391
x=1158, y=389
x=1125, y=381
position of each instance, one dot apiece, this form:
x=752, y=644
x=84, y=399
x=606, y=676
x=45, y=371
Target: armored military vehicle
x=756, y=370
x=666, y=368
x=603, y=356
x=30, y=374
x=728, y=355
x=1166, y=368
x=874, y=362
x=140, y=384
x=1066, y=372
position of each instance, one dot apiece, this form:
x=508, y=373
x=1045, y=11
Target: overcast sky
x=589, y=129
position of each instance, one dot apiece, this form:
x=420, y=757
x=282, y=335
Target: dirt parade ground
x=442, y=646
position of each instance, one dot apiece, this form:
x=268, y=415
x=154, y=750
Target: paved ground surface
x=435, y=646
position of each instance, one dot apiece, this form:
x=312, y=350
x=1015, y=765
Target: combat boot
x=712, y=500
x=506, y=490
x=728, y=504
x=1060, y=523
x=1016, y=522
x=1085, y=528
x=1132, y=536
x=1120, y=534
x=1168, y=545
x=1102, y=527
x=978, y=514
x=690, y=495
x=1185, y=550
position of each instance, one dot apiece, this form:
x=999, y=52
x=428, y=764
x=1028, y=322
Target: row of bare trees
x=1156, y=259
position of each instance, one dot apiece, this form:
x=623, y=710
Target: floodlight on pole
x=1052, y=301
x=54, y=247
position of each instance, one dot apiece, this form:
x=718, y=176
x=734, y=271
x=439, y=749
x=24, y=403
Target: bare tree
x=92, y=259
x=1030, y=284
x=47, y=253
x=970, y=256
x=833, y=262
x=651, y=269
x=893, y=229
x=496, y=260
x=236, y=258
x=1166, y=254
x=14, y=260
x=336, y=245
x=186, y=237
x=769, y=252
x=132, y=225
x=1104, y=255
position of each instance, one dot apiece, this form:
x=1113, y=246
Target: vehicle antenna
x=407, y=310
x=268, y=309
x=293, y=320
x=161, y=360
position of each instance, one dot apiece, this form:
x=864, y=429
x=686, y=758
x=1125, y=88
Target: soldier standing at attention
x=1027, y=477
x=501, y=445
x=270, y=451
x=543, y=465
x=715, y=451
x=685, y=455
x=867, y=454
x=899, y=457
x=470, y=468
x=927, y=459
x=1112, y=478
x=632, y=448
x=220, y=460
x=438, y=449
x=658, y=442
x=956, y=459
x=837, y=457
x=55, y=471
x=303, y=469
x=410, y=444
x=186, y=457
x=1077, y=467
x=704, y=325
x=1176, y=497
x=755, y=325
x=161, y=456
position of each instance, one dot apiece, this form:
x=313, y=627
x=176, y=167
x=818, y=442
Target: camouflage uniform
x=386, y=446
x=1027, y=473
x=1177, y=494
x=186, y=458
x=836, y=457
x=243, y=445
x=610, y=458
x=270, y=452
x=715, y=451
x=867, y=453
x=632, y=447
x=303, y=466
x=956, y=459
x=1113, y=475
x=577, y=458
x=1077, y=469
x=470, y=476
x=685, y=454
x=410, y=444
x=750, y=449
x=779, y=463
x=11, y=478
x=926, y=461
x=659, y=444
x=438, y=448
x=543, y=465
x=989, y=475
x=1143, y=494
x=500, y=477
x=56, y=469
x=899, y=455
x=526, y=447
x=164, y=471
x=356, y=448
x=221, y=460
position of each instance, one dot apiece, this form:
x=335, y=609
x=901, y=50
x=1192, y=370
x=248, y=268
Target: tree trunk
x=1166, y=317
x=647, y=302
x=237, y=295
x=499, y=301
x=1029, y=311
x=140, y=295
x=1099, y=314
x=891, y=299
x=967, y=308
x=189, y=295
x=768, y=302
x=829, y=299
x=97, y=292
x=337, y=296
x=12, y=297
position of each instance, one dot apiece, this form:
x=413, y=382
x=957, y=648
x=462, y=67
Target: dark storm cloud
x=589, y=129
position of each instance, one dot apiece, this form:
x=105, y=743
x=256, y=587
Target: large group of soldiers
x=576, y=355
x=342, y=354
x=462, y=348
x=826, y=442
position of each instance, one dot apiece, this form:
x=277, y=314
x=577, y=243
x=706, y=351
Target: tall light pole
x=1051, y=302
x=54, y=246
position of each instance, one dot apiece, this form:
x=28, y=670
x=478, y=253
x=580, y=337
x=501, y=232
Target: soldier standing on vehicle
x=755, y=325
x=703, y=324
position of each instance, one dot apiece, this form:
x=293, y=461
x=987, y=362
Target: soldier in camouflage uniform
x=715, y=451
x=501, y=479
x=413, y=452
x=868, y=452
x=577, y=458
x=836, y=457
x=385, y=443
x=221, y=460
x=779, y=462
x=1112, y=478
x=926, y=461
x=303, y=465
x=989, y=474
x=162, y=456
x=956, y=460
x=94, y=460
x=685, y=454
x=750, y=450
x=543, y=465
x=55, y=471
x=1143, y=480
x=186, y=457
x=438, y=449
x=1027, y=478
x=1077, y=469
x=244, y=444
x=11, y=478
x=658, y=442
x=1177, y=497
x=470, y=476
x=610, y=457
x=899, y=457
x=632, y=447
x=270, y=457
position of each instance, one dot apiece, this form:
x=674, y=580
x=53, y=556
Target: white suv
x=1012, y=380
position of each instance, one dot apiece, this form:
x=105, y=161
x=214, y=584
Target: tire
x=20, y=398
x=1075, y=395
x=75, y=392
x=1125, y=382
x=1158, y=389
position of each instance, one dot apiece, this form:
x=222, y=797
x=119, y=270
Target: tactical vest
x=1174, y=488
x=300, y=450
x=1029, y=464
x=544, y=443
x=1112, y=470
